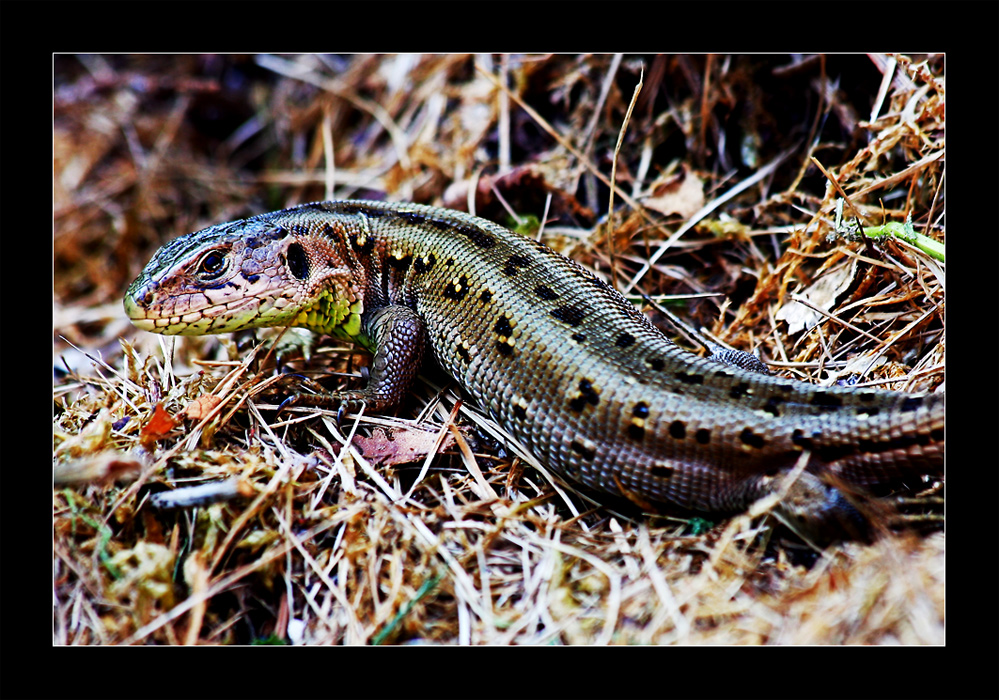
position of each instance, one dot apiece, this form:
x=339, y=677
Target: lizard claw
x=287, y=403
x=347, y=405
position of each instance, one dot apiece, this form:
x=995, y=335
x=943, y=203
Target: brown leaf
x=681, y=194
x=159, y=426
x=399, y=446
x=201, y=407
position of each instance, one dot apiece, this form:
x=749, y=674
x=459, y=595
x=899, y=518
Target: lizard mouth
x=213, y=318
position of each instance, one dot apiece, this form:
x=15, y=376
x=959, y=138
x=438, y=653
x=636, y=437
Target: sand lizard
x=565, y=363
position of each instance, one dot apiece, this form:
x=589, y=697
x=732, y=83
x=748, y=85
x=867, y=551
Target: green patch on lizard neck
x=334, y=315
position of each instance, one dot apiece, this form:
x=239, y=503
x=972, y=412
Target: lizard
x=566, y=364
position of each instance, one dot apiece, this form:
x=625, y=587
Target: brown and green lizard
x=564, y=362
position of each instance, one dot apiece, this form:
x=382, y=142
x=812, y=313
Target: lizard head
x=252, y=273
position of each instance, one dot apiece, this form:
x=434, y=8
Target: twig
x=613, y=178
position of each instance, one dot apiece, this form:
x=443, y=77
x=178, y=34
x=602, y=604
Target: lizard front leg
x=397, y=334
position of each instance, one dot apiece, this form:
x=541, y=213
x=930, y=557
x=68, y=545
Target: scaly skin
x=560, y=359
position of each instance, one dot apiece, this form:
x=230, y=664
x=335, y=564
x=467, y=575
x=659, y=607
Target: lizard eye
x=212, y=265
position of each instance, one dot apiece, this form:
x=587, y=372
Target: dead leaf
x=201, y=406
x=391, y=447
x=159, y=426
x=682, y=194
x=822, y=294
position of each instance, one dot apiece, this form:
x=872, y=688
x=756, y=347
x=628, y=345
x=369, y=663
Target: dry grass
x=309, y=540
